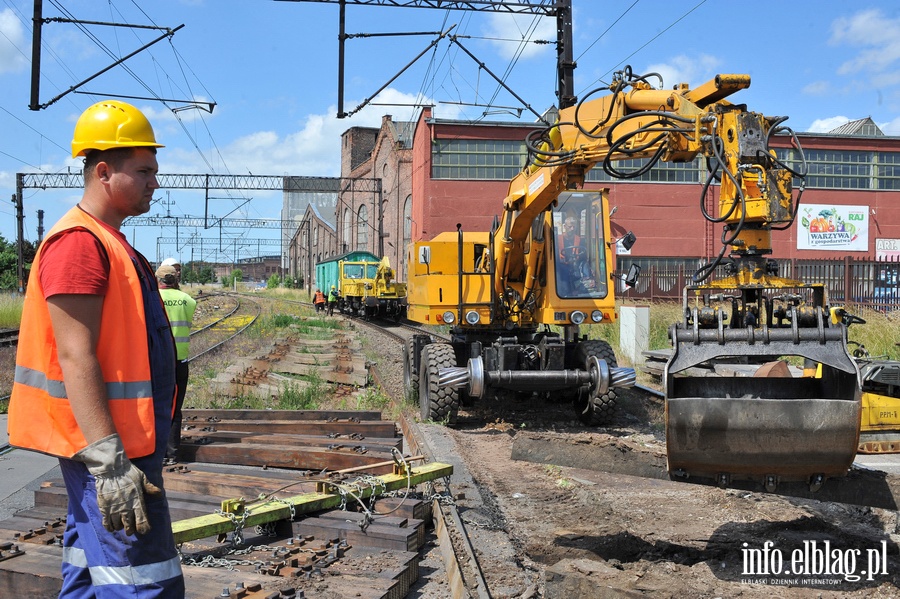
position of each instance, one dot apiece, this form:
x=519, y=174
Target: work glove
x=120, y=485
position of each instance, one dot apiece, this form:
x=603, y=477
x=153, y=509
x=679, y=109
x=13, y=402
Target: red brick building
x=436, y=173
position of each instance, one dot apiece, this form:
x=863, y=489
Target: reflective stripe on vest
x=126, y=575
x=40, y=417
x=57, y=389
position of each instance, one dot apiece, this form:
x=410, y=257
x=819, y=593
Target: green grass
x=880, y=334
x=304, y=394
x=370, y=398
x=11, y=310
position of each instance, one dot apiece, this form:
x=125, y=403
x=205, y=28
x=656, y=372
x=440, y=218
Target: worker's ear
x=102, y=171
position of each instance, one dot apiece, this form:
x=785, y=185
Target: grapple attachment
x=769, y=425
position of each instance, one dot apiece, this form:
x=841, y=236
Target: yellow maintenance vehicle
x=879, y=429
x=517, y=296
x=368, y=288
x=880, y=419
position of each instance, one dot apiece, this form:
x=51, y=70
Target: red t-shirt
x=75, y=262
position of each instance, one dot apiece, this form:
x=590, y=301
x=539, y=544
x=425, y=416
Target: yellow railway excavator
x=516, y=296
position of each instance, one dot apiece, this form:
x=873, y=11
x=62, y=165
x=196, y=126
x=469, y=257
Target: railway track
x=9, y=337
x=220, y=318
x=236, y=453
x=456, y=553
x=529, y=494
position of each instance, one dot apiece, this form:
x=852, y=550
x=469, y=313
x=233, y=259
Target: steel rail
x=215, y=322
x=230, y=337
x=447, y=523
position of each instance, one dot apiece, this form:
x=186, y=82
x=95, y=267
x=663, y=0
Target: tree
x=9, y=263
x=229, y=280
x=206, y=275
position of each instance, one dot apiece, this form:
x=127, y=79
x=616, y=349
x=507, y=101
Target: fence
x=849, y=281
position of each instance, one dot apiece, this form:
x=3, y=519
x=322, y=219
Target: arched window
x=407, y=236
x=346, y=231
x=407, y=221
x=362, y=229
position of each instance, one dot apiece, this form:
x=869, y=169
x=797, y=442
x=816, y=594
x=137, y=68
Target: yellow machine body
x=450, y=277
x=368, y=288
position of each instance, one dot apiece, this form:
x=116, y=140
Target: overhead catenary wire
x=645, y=44
x=184, y=69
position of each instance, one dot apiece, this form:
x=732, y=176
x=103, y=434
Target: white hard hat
x=169, y=262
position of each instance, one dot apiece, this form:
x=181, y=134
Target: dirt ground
x=540, y=530
x=613, y=535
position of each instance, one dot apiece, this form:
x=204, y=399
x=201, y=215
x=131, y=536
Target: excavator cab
x=580, y=247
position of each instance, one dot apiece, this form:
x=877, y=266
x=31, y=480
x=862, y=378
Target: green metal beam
x=272, y=510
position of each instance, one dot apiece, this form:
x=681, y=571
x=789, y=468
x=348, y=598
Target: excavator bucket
x=770, y=427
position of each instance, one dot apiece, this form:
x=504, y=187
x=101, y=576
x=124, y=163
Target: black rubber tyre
x=598, y=410
x=438, y=404
x=410, y=376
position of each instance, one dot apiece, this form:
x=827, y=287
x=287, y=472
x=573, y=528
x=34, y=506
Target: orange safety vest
x=40, y=417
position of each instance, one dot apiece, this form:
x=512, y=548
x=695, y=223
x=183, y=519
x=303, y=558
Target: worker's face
x=131, y=182
x=569, y=226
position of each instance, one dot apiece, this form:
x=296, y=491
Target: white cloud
x=13, y=46
x=891, y=127
x=684, y=69
x=312, y=150
x=828, y=124
x=869, y=29
x=817, y=88
x=506, y=27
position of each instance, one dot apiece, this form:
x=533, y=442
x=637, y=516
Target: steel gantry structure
x=207, y=183
x=561, y=9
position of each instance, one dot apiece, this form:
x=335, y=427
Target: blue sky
x=271, y=68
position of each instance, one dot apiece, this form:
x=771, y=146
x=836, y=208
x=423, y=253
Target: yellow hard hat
x=332, y=286
x=112, y=124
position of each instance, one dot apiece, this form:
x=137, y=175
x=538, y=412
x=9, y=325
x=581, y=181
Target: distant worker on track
x=319, y=301
x=95, y=376
x=180, y=309
x=333, y=297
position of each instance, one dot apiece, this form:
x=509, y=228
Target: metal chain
x=267, y=529
x=287, y=503
x=444, y=498
x=210, y=561
x=237, y=537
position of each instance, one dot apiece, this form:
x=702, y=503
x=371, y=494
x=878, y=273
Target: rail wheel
x=410, y=375
x=595, y=411
x=439, y=404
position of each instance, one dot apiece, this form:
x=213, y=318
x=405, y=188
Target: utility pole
x=309, y=262
x=40, y=228
x=565, y=61
x=20, y=233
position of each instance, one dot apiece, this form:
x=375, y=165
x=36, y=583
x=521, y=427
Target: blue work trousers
x=105, y=565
